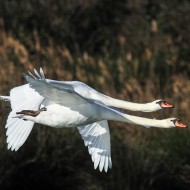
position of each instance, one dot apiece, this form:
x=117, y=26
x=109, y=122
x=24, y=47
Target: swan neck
x=138, y=120
x=147, y=107
x=146, y=122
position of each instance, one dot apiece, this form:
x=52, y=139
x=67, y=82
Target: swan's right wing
x=97, y=137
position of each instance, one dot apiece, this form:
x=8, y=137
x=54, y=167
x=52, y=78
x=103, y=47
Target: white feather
x=73, y=104
x=5, y=98
x=96, y=136
x=22, y=97
x=17, y=132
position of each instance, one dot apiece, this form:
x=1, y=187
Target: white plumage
x=73, y=104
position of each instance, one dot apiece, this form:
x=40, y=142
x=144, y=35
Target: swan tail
x=5, y=98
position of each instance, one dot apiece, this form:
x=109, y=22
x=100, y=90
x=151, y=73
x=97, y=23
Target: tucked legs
x=32, y=112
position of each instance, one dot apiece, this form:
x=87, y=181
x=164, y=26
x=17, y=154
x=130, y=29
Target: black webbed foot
x=32, y=112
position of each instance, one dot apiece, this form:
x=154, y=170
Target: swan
x=88, y=92
x=54, y=105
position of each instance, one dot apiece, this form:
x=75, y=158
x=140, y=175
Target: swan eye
x=160, y=101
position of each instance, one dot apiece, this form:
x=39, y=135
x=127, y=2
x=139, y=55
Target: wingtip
x=36, y=73
x=42, y=74
x=8, y=146
x=41, y=70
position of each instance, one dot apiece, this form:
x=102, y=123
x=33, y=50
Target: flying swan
x=73, y=104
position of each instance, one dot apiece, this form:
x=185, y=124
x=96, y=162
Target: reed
x=140, y=56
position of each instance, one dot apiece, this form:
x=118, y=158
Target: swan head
x=162, y=104
x=175, y=122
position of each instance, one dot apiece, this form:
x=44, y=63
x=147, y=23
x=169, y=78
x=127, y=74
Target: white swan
x=52, y=104
x=88, y=92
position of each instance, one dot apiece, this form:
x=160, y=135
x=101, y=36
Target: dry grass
x=56, y=148
x=142, y=158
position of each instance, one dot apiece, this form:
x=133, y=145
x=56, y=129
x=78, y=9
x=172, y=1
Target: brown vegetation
x=131, y=50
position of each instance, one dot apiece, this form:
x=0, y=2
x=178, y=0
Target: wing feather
x=96, y=136
x=52, y=92
x=18, y=130
x=16, y=137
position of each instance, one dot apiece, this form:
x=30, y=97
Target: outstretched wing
x=53, y=93
x=96, y=136
x=18, y=130
x=79, y=87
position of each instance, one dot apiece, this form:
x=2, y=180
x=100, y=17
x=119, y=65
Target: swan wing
x=24, y=97
x=62, y=84
x=97, y=137
x=52, y=92
x=81, y=88
x=78, y=86
x=18, y=130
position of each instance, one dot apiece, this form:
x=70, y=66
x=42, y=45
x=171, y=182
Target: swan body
x=53, y=104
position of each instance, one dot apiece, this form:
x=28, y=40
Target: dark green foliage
x=133, y=50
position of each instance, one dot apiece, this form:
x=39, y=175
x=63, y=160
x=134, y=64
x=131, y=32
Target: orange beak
x=180, y=125
x=166, y=105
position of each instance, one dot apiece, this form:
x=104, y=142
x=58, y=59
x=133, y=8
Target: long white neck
x=147, y=107
x=138, y=120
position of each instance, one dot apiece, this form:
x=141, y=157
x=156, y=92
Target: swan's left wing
x=18, y=130
x=53, y=93
x=97, y=137
x=79, y=87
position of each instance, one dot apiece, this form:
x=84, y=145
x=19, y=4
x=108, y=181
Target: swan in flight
x=90, y=93
x=55, y=104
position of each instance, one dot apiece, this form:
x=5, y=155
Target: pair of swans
x=74, y=104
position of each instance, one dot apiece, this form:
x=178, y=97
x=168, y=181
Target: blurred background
x=129, y=49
